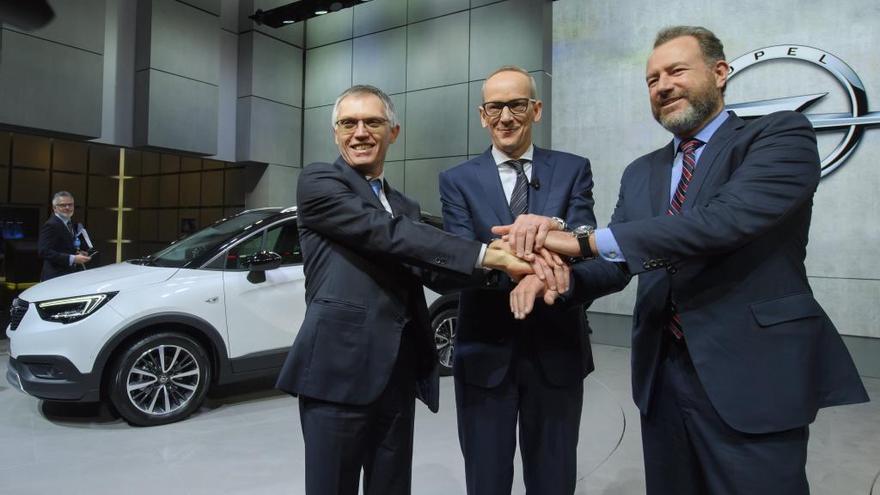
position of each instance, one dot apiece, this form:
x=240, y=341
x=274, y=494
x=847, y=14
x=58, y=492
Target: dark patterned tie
x=519, y=198
x=70, y=228
x=688, y=163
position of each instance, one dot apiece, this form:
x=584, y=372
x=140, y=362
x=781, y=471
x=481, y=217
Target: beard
x=701, y=106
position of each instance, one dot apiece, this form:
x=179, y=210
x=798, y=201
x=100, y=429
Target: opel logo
x=853, y=122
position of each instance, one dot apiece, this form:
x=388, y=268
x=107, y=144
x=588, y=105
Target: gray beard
x=683, y=123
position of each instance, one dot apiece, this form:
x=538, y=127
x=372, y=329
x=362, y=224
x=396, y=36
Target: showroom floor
x=247, y=441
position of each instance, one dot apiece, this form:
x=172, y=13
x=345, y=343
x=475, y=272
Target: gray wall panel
x=329, y=28
x=504, y=33
x=380, y=60
x=78, y=24
x=435, y=52
x=423, y=180
x=227, y=96
x=270, y=69
x=175, y=112
x=328, y=73
x=378, y=15
x=318, y=145
x=292, y=33
x=268, y=132
x=437, y=122
x=31, y=89
x=270, y=185
x=423, y=9
x=212, y=6
x=478, y=137
x=398, y=149
x=394, y=174
x=181, y=39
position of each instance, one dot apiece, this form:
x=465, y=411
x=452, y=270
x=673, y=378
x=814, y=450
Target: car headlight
x=71, y=309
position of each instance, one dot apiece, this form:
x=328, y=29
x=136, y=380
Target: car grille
x=16, y=312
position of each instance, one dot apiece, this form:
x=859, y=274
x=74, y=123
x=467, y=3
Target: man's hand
x=499, y=256
x=527, y=233
x=552, y=270
x=81, y=258
x=522, y=297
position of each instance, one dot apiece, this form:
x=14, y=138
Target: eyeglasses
x=518, y=106
x=372, y=124
x=64, y=205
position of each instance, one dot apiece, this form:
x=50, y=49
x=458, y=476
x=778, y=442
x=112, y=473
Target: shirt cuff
x=607, y=246
x=70, y=259
x=480, y=256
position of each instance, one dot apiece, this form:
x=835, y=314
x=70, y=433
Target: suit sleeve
x=328, y=206
x=580, y=205
x=778, y=174
x=46, y=243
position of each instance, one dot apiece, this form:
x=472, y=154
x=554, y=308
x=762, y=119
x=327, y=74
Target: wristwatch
x=582, y=234
x=561, y=222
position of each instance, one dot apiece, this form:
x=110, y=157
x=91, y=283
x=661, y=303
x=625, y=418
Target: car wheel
x=443, y=324
x=160, y=379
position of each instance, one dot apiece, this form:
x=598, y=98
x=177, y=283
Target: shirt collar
x=706, y=132
x=63, y=220
x=501, y=157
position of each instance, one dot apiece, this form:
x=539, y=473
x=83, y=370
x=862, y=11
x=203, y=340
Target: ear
x=721, y=71
x=483, y=120
x=538, y=107
x=394, y=132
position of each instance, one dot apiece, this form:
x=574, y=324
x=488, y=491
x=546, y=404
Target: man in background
x=59, y=242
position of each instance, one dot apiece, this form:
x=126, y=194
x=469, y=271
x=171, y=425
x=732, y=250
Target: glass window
x=284, y=240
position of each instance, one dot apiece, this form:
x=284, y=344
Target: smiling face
x=685, y=91
x=364, y=147
x=510, y=133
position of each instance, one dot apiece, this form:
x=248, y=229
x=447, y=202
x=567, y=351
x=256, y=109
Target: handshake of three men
x=536, y=252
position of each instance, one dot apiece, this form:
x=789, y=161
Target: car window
x=281, y=239
x=284, y=240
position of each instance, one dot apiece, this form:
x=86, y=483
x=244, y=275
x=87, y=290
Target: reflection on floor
x=247, y=440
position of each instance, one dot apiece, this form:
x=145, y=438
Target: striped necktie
x=688, y=164
x=519, y=198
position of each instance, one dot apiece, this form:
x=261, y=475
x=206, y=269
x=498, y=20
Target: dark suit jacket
x=487, y=334
x=54, y=246
x=364, y=287
x=733, y=263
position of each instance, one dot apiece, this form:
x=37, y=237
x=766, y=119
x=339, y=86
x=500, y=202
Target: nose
x=506, y=114
x=664, y=85
x=361, y=130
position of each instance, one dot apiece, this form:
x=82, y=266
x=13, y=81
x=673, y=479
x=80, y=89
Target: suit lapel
x=358, y=183
x=490, y=182
x=542, y=174
x=661, y=175
x=399, y=206
x=716, y=143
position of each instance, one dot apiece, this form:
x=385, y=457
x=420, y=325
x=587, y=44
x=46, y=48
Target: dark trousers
x=690, y=450
x=341, y=440
x=549, y=418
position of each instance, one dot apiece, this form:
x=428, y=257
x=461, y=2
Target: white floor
x=247, y=441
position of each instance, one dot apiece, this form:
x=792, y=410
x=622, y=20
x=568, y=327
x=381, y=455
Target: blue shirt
x=606, y=244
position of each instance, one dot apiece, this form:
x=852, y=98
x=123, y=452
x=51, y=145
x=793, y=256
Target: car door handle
x=212, y=300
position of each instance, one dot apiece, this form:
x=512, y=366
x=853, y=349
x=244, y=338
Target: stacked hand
x=537, y=240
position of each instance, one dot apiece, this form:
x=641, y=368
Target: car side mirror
x=258, y=263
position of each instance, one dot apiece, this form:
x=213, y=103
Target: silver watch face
x=582, y=230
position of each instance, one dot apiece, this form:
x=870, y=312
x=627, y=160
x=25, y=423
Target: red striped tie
x=688, y=163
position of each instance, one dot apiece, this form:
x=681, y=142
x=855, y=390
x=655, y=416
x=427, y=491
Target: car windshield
x=185, y=250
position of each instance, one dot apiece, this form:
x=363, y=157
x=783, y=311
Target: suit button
x=440, y=260
x=612, y=254
x=672, y=270
x=646, y=265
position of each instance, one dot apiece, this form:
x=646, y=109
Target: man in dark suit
x=365, y=350
x=506, y=371
x=732, y=355
x=58, y=243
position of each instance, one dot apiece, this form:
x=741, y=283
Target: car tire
x=159, y=379
x=443, y=326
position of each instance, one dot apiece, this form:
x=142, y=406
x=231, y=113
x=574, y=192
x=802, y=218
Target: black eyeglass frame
x=509, y=104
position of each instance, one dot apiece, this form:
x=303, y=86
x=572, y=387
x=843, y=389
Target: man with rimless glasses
x=365, y=350
x=507, y=371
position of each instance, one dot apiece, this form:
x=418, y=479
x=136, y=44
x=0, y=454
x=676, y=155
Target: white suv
x=151, y=335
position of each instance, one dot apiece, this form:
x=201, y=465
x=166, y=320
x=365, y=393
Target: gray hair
x=60, y=194
x=533, y=87
x=366, y=89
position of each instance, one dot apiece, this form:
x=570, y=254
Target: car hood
x=120, y=276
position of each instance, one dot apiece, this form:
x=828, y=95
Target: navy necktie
x=376, y=184
x=519, y=198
